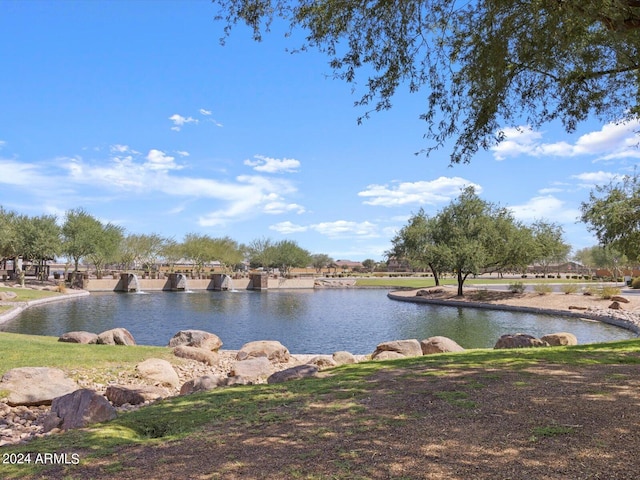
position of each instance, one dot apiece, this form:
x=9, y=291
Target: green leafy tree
x=287, y=255
x=80, y=236
x=612, y=213
x=415, y=242
x=148, y=248
x=550, y=247
x=107, y=248
x=261, y=253
x=605, y=257
x=369, y=264
x=200, y=249
x=227, y=252
x=479, y=236
x=38, y=240
x=8, y=235
x=584, y=256
x=320, y=261
x=609, y=258
x=484, y=64
x=172, y=252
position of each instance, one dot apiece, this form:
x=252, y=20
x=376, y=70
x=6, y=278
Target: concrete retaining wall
x=112, y=285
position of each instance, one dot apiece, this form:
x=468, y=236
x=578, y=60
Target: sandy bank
x=576, y=305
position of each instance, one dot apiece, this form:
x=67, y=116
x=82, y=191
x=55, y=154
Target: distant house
x=395, y=264
x=573, y=268
x=348, y=265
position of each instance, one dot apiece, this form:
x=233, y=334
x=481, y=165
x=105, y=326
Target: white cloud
x=183, y=153
x=278, y=207
x=158, y=160
x=119, y=149
x=547, y=191
x=343, y=228
x=548, y=207
x=613, y=140
x=21, y=174
x=130, y=175
x=205, y=112
x=590, y=179
x=517, y=141
x=2, y=144
x=179, y=121
x=440, y=190
x=273, y=165
x=336, y=229
x=287, y=228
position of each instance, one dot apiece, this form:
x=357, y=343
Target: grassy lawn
x=28, y=294
x=343, y=392
x=37, y=351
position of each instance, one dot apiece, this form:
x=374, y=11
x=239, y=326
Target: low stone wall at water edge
x=114, y=285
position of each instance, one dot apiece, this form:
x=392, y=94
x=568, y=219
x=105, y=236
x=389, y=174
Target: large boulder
x=120, y=395
x=428, y=293
x=9, y=295
x=406, y=348
x=159, y=371
x=204, y=383
x=560, y=339
x=32, y=386
x=386, y=355
x=116, y=336
x=271, y=349
x=293, y=373
x=79, y=409
x=254, y=370
x=78, y=337
x=343, y=358
x=619, y=299
x=519, y=340
x=196, y=338
x=322, y=361
x=439, y=345
x=199, y=354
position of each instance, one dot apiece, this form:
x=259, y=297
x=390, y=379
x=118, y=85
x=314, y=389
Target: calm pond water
x=305, y=321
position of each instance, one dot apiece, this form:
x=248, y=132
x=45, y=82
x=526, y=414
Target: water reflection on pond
x=306, y=321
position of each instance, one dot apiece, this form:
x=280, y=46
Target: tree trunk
x=436, y=278
x=461, y=280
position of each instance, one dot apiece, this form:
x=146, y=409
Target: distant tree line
x=83, y=238
x=470, y=236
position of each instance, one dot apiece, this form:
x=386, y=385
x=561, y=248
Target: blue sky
x=135, y=112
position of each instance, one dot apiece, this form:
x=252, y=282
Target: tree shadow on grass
x=494, y=415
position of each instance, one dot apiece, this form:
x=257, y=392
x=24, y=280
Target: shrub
x=482, y=294
x=607, y=292
x=542, y=288
x=635, y=283
x=516, y=287
x=569, y=288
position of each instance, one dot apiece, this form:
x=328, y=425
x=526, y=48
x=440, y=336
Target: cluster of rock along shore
x=42, y=400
